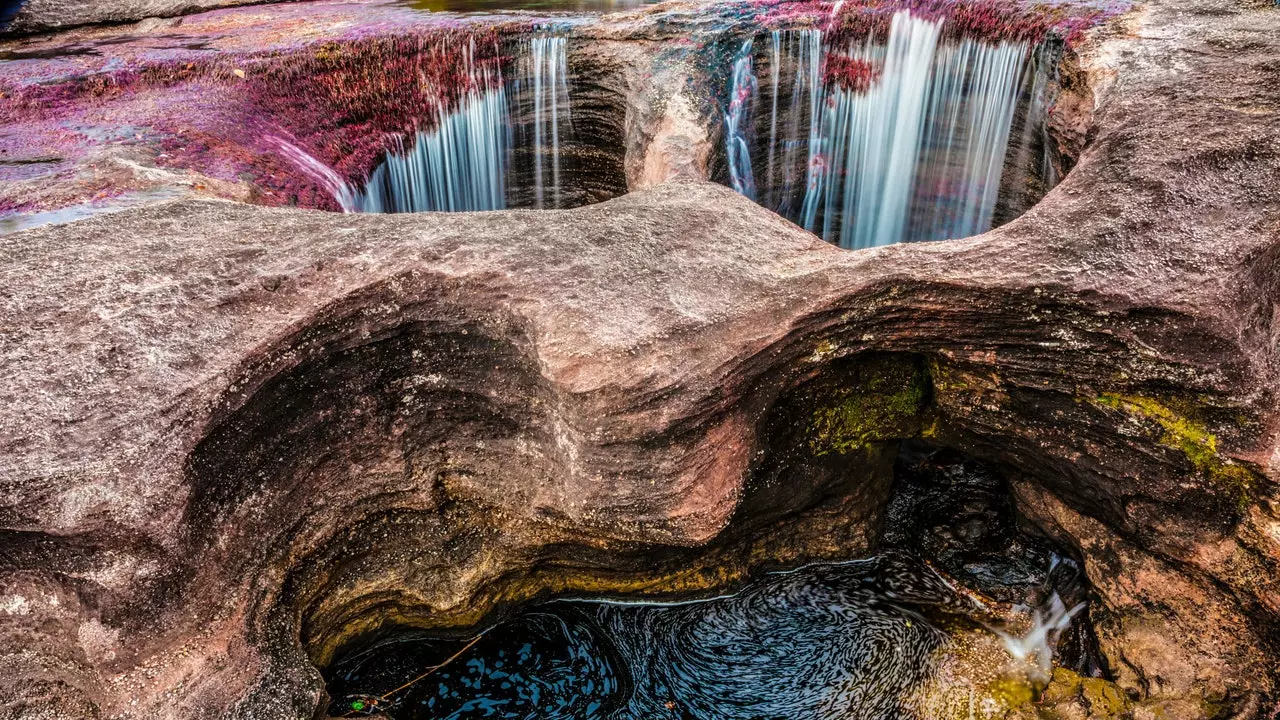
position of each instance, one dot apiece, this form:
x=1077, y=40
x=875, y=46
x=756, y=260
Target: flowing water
x=895, y=139
x=862, y=639
x=819, y=642
x=459, y=165
x=465, y=161
x=544, y=83
x=737, y=145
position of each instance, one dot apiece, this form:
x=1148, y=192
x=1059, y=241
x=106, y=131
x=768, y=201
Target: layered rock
x=236, y=438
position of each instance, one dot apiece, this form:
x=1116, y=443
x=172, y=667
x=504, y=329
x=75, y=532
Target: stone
x=234, y=438
x=35, y=16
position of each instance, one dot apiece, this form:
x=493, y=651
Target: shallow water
x=859, y=639
x=826, y=641
x=24, y=221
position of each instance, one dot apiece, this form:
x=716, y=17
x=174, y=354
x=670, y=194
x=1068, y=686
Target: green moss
x=1011, y=692
x=1064, y=686
x=946, y=378
x=1105, y=699
x=1193, y=439
x=1102, y=699
x=884, y=400
x=1182, y=432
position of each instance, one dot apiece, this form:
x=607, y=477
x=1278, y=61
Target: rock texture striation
x=35, y=16
x=234, y=438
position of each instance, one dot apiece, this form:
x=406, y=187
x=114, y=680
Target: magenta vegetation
x=342, y=96
x=342, y=101
x=849, y=73
x=993, y=20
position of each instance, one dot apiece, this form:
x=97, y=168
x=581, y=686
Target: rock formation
x=41, y=15
x=234, y=438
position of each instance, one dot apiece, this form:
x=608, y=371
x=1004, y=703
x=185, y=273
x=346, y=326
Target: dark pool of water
x=540, y=5
x=826, y=641
x=840, y=640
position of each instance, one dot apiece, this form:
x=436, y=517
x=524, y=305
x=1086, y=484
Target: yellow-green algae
x=1182, y=432
x=884, y=400
x=1069, y=692
x=1011, y=691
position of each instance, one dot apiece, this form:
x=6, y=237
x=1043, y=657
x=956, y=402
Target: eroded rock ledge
x=235, y=437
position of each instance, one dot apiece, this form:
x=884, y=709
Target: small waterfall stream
x=460, y=165
x=738, y=149
x=546, y=82
x=895, y=139
x=464, y=162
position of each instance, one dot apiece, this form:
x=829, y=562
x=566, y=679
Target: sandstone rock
x=234, y=437
x=44, y=15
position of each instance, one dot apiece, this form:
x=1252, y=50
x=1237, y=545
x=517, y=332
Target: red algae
x=338, y=85
x=37, y=100
x=848, y=73
x=344, y=87
x=991, y=20
x=344, y=100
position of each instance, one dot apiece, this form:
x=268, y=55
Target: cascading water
x=791, y=134
x=738, y=149
x=460, y=165
x=545, y=84
x=895, y=139
x=464, y=163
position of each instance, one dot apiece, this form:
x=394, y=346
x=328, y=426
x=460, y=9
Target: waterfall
x=1033, y=650
x=464, y=162
x=1028, y=151
x=904, y=137
x=975, y=95
x=790, y=153
x=736, y=122
x=546, y=75
x=459, y=165
x=321, y=174
x=879, y=134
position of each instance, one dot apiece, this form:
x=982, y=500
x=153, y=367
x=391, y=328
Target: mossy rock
x=1069, y=694
x=1176, y=426
x=883, y=398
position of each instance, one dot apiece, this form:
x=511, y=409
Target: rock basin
x=237, y=437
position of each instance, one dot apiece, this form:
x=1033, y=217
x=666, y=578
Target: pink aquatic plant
x=847, y=21
x=848, y=73
x=343, y=101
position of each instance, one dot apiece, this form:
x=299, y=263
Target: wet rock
x=235, y=438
